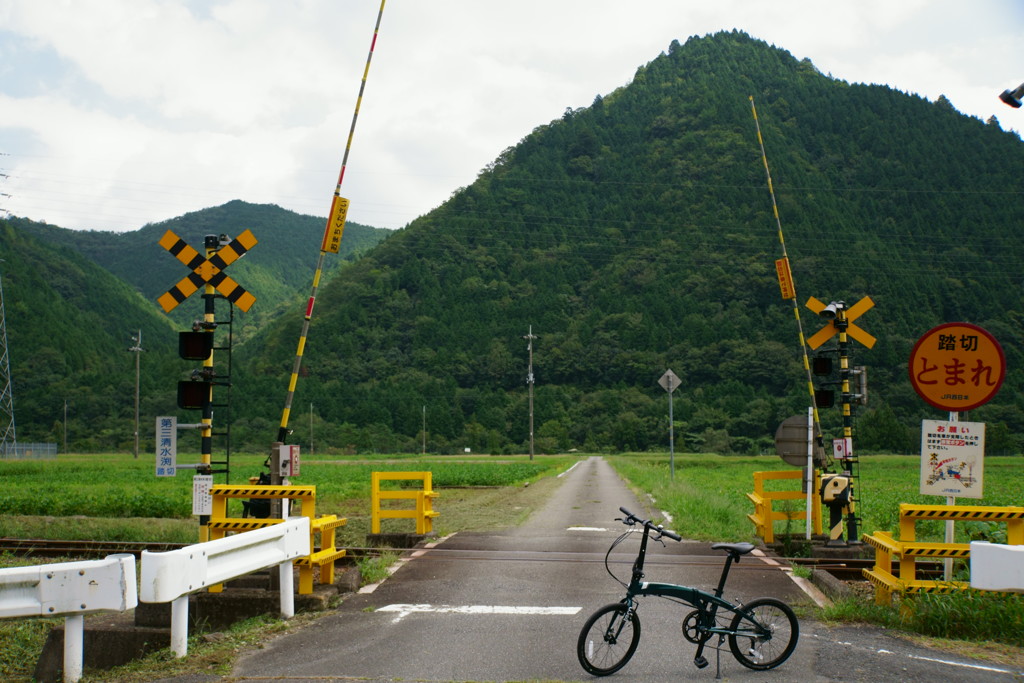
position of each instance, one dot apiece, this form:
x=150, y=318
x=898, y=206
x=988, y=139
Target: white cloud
x=122, y=112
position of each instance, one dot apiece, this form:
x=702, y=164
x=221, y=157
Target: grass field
x=706, y=496
x=117, y=497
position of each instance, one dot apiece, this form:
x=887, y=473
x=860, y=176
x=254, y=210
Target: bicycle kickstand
x=718, y=657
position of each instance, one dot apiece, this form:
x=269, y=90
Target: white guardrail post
x=173, y=575
x=71, y=590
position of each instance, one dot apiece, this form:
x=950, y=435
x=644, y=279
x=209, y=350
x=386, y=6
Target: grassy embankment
x=118, y=498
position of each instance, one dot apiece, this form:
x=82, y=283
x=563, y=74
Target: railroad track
x=36, y=547
x=844, y=569
x=850, y=569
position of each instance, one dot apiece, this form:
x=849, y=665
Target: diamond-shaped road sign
x=669, y=381
x=207, y=271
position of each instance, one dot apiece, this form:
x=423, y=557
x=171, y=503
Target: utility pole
x=529, y=381
x=424, y=430
x=137, y=350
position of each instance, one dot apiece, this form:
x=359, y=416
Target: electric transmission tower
x=8, y=435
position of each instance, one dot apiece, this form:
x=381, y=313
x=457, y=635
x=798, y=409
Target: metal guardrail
x=71, y=590
x=997, y=567
x=325, y=525
x=75, y=589
x=171, y=576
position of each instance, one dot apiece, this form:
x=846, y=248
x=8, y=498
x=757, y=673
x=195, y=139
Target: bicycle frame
x=706, y=603
x=762, y=633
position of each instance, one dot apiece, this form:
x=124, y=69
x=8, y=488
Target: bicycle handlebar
x=632, y=519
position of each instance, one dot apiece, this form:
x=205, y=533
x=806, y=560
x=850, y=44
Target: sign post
x=669, y=381
x=955, y=367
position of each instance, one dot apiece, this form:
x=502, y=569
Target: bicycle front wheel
x=764, y=634
x=608, y=639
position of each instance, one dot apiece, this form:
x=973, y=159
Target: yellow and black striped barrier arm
x=330, y=243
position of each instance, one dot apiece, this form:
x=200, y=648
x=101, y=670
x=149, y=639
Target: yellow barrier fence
x=423, y=512
x=907, y=549
x=765, y=516
x=324, y=526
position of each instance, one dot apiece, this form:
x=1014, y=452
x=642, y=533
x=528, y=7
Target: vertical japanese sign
x=785, y=275
x=335, y=225
x=202, y=499
x=166, y=446
x=957, y=367
x=952, y=458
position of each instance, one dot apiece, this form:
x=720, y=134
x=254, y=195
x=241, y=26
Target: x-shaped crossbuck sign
x=852, y=313
x=207, y=271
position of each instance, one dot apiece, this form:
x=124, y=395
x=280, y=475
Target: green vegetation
x=705, y=498
x=974, y=616
x=634, y=234
x=277, y=270
x=118, y=498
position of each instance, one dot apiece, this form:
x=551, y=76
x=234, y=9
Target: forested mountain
x=276, y=270
x=69, y=326
x=75, y=300
x=636, y=235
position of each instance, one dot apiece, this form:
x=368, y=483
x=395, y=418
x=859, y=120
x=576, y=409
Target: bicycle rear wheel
x=608, y=639
x=765, y=634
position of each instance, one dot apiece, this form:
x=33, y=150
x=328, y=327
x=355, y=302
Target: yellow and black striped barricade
x=907, y=549
x=423, y=512
x=323, y=558
x=764, y=516
x=325, y=526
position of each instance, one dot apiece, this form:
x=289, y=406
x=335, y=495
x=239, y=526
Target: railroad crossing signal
x=852, y=313
x=207, y=271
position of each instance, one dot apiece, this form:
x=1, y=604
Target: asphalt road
x=508, y=606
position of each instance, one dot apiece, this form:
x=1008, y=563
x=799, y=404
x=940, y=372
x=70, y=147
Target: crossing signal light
x=824, y=398
x=822, y=366
x=193, y=395
x=195, y=345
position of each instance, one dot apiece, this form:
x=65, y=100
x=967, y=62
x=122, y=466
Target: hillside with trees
x=277, y=269
x=69, y=327
x=636, y=235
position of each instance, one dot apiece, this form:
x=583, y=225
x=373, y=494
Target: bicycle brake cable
x=614, y=545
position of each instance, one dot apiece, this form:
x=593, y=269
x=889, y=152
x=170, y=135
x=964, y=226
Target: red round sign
x=957, y=367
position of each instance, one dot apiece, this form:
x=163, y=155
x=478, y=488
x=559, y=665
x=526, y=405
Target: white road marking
x=568, y=470
x=586, y=528
x=935, y=660
x=405, y=610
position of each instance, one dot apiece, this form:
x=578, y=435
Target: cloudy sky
x=118, y=113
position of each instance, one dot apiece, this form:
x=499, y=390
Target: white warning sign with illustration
x=952, y=457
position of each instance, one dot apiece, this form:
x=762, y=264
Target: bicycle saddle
x=734, y=548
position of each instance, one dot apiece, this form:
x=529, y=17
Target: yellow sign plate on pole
x=785, y=278
x=335, y=225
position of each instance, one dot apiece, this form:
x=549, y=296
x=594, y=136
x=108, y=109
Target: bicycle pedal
x=700, y=662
